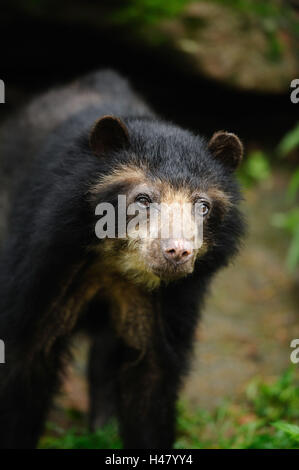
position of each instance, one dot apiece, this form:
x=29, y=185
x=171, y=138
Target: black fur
x=48, y=169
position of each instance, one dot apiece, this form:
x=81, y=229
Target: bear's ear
x=108, y=133
x=227, y=148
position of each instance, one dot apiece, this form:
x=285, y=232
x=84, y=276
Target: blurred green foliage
x=148, y=11
x=154, y=10
x=256, y=168
x=266, y=419
x=290, y=142
x=76, y=438
x=289, y=220
x=142, y=16
x=262, y=8
x=291, y=430
x=270, y=16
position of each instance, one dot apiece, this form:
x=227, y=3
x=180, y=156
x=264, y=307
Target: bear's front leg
x=156, y=331
x=147, y=392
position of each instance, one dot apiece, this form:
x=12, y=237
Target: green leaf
x=293, y=253
x=289, y=142
x=256, y=168
x=293, y=186
x=289, y=221
x=290, y=429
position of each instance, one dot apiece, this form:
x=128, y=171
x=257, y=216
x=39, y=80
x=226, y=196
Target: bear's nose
x=177, y=251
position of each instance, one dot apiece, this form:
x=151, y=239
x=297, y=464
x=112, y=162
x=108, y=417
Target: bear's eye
x=202, y=207
x=143, y=200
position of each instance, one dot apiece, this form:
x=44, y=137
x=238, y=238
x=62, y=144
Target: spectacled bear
x=67, y=151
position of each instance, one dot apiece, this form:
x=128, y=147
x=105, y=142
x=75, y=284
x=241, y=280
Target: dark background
x=43, y=48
